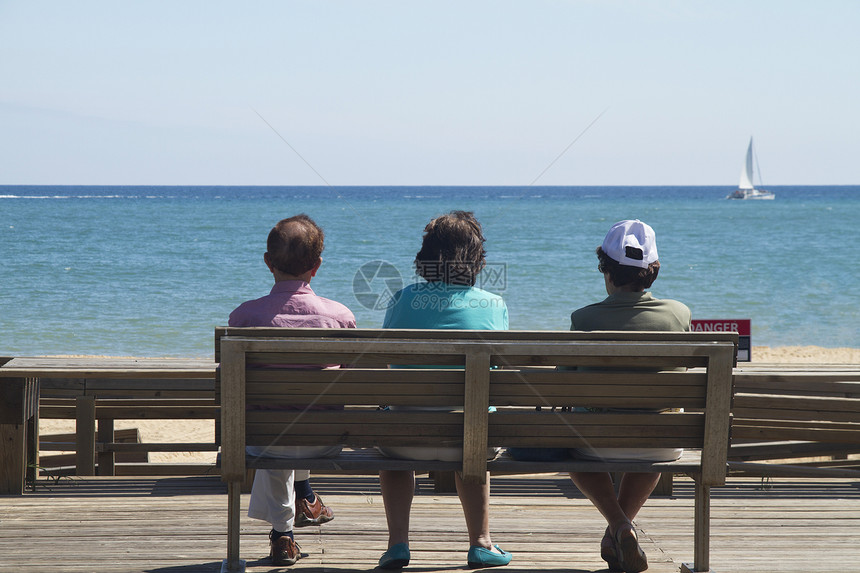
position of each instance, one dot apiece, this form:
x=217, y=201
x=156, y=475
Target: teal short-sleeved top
x=440, y=305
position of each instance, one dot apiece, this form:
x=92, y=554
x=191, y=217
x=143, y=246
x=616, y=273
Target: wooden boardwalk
x=178, y=525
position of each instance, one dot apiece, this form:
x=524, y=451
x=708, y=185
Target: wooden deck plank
x=178, y=525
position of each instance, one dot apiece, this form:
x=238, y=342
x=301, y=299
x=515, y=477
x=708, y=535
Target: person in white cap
x=629, y=263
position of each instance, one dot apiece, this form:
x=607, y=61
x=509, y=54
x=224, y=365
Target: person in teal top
x=451, y=256
x=443, y=305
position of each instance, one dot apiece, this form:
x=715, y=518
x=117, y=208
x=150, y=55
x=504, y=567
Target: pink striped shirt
x=292, y=304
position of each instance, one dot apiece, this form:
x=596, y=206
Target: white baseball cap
x=631, y=243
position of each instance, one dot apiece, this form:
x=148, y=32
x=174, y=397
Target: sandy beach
x=203, y=430
x=805, y=355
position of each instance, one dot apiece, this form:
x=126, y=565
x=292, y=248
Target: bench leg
x=32, y=445
x=234, y=496
x=107, y=457
x=85, y=440
x=664, y=486
x=701, y=531
x=443, y=482
x=13, y=458
x=19, y=406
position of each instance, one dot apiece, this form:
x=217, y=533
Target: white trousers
x=273, y=497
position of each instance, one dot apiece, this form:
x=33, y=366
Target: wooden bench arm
x=475, y=417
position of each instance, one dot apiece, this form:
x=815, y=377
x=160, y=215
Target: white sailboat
x=746, y=189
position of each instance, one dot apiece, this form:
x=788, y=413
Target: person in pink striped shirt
x=284, y=498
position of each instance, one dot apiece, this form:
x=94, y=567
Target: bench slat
x=788, y=449
x=392, y=376
x=141, y=412
x=320, y=334
x=353, y=357
x=809, y=384
x=689, y=379
x=778, y=430
x=806, y=406
x=407, y=351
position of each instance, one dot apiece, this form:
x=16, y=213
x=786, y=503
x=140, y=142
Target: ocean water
x=150, y=271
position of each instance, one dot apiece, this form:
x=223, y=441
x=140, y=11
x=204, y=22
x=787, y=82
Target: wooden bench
x=96, y=391
x=796, y=412
x=471, y=371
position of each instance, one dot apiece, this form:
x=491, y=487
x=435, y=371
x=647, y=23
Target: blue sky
x=428, y=93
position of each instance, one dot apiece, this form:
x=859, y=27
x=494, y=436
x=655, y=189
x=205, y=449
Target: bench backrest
x=807, y=405
x=467, y=371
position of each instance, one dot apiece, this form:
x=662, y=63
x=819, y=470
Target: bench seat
x=369, y=460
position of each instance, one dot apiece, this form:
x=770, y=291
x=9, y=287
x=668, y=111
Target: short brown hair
x=621, y=275
x=295, y=245
x=452, y=250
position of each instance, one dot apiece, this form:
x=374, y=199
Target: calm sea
x=151, y=271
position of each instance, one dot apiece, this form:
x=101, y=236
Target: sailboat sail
x=747, y=171
x=746, y=189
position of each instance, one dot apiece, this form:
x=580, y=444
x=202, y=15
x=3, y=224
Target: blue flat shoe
x=397, y=557
x=482, y=557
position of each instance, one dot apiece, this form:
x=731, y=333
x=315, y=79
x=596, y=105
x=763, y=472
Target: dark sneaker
x=312, y=513
x=284, y=551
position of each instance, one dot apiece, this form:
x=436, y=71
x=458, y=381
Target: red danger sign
x=739, y=325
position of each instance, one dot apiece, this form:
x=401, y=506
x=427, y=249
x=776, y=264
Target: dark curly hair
x=452, y=250
x=622, y=275
x=295, y=245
